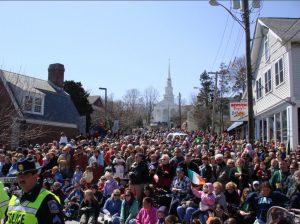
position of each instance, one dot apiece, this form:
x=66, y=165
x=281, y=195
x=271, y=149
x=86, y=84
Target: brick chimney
x=56, y=74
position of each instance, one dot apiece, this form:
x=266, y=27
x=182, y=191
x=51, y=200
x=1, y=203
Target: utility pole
x=246, y=26
x=105, y=107
x=179, y=102
x=213, y=118
x=214, y=101
x=249, y=73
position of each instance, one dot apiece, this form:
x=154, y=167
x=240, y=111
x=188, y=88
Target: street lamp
x=246, y=27
x=105, y=107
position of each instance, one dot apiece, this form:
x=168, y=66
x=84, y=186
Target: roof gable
x=95, y=100
x=284, y=29
x=287, y=29
x=58, y=105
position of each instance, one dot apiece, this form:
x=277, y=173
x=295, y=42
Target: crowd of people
x=144, y=178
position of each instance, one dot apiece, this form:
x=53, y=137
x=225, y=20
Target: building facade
x=276, y=72
x=34, y=110
x=166, y=109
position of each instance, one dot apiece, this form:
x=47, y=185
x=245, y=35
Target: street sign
x=238, y=111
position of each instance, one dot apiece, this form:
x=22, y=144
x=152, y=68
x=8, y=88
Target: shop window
x=284, y=125
x=278, y=127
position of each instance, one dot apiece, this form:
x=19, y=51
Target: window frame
x=278, y=72
x=258, y=89
x=34, y=105
x=268, y=81
x=267, y=48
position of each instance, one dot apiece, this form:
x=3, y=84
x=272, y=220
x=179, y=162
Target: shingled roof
x=287, y=29
x=58, y=105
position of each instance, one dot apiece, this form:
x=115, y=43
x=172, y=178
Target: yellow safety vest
x=3, y=201
x=25, y=212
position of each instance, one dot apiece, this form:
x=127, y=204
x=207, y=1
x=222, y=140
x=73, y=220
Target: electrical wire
x=238, y=42
x=218, y=51
x=256, y=65
x=257, y=69
x=227, y=43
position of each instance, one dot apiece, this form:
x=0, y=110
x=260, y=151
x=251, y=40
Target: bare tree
x=134, y=107
x=201, y=114
x=131, y=99
x=238, y=74
x=150, y=99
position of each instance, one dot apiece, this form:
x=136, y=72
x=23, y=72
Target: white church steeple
x=169, y=96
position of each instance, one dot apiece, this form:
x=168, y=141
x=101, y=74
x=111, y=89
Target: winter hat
x=163, y=209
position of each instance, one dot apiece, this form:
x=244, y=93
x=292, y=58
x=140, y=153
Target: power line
x=227, y=43
x=257, y=69
x=264, y=53
x=220, y=43
x=237, y=45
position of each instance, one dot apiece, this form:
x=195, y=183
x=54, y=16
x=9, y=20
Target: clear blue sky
x=123, y=45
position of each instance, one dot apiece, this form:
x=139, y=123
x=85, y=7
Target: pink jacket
x=207, y=199
x=147, y=216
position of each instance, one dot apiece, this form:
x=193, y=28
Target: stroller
x=278, y=214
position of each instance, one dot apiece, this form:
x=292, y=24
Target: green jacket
x=133, y=211
x=278, y=181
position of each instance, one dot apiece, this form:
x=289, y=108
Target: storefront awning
x=235, y=125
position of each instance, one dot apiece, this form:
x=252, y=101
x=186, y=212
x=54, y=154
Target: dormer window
x=34, y=104
x=266, y=47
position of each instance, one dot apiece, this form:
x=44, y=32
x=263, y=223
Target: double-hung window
x=267, y=50
x=268, y=81
x=279, y=73
x=258, y=89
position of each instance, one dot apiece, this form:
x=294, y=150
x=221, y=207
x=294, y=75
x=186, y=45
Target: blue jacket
x=112, y=207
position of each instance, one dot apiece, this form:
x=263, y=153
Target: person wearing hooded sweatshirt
x=162, y=212
x=207, y=201
x=260, y=204
x=249, y=150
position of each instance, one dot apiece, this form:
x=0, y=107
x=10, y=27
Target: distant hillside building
x=166, y=109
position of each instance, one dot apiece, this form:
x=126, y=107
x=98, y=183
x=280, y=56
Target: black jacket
x=139, y=173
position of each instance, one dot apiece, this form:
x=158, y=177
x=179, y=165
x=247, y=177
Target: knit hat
x=163, y=209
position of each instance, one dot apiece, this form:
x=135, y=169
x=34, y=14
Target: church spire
x=168, y=96
x=169, y=72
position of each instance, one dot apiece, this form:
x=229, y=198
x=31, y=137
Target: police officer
x=3, y=201
x=36, y=205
